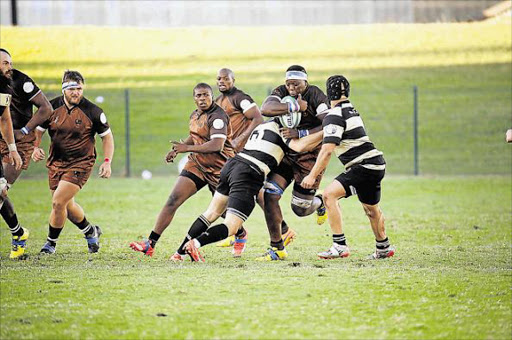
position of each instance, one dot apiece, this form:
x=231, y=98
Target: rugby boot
x=321, y=212
x=228, y=242
x=239, y=246
x=193, y=251
x=19, y=244
x=336, y=251
x=176, y=258
x=273, y=254
x=93, y=240
x=143, y=247
x=47, y=248
x=382, y=254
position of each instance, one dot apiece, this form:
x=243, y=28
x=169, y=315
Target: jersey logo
x=218, y=124
x=103, y=118
x=78, y=121
x=28, y=87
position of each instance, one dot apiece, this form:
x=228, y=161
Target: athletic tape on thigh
x=273, y=188
x=301, y=202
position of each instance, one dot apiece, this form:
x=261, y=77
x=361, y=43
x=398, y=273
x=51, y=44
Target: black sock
x=284, y=227
x=53, y=235
x=214, y=234
x=339, y=239
x=240, y=233
x=153, y=239
x=8, y=214
x=199, y=226
x=382, y=245
x=85, y=227
x=279, y=245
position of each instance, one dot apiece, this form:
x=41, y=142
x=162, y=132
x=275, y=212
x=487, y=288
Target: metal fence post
x=415, y=129
x=127, y=129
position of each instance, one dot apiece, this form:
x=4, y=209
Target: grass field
x=450, y=278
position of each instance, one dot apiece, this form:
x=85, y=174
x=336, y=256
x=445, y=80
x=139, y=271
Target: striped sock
x=214, y=234
x=17, y=230
x=339, y=239
x=383, y=245
x=200, y=225
x=53, y=235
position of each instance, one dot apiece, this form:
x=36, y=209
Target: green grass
x=450, y=277
x=463, y=72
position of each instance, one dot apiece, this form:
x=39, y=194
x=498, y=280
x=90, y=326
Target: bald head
x=225, y=80
x=5, y=64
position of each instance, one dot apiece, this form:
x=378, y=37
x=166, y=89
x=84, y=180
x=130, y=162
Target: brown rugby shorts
x=202, y=177
x=25, y=149
x=75, y=176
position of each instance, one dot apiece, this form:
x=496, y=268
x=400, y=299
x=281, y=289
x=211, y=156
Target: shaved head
x=227, y=72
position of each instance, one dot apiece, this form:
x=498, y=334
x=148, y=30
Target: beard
x=5, y=83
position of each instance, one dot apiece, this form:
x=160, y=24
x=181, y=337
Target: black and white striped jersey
x=265, y=147
x=344, y=127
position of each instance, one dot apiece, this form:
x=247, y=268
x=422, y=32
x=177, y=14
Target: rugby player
x=25, y=94
x=240, y=181
x=344, y=133
x=244, y=115
x=295, y=166
x=19, y=235
x=209, y=146
x=72, y=128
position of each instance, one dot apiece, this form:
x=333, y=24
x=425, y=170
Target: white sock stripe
x=51, y=239
x=237, y=213
x=86, y=229
x=205, y=221
x=15, y=229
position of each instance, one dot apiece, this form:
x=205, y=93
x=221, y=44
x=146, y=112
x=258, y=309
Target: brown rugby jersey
x=204, y=126
x=72, y=133
x=317, y=104
x=235, y=103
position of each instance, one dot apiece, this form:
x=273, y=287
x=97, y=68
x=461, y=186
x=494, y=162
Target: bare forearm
x=39, y=137
x=215, y=145
x=321, y=162
x=274, y=108
x=6, y=127
x=44, y=110
x=108, y=146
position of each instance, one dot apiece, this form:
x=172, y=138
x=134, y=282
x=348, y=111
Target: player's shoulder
x=216, y=111
x=315, y=91
x=87, y=106
x=22, y=82
x=57, y=102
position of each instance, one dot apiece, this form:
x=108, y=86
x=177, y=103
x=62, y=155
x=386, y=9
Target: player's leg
x=369, y=192
x=274, y=189
x=64, y=192
x=91, y=232
x=331, y=195
x=7, y=210
x=203, y=222
x=304, y=202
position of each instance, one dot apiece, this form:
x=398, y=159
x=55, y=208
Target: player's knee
x=272, y=189
x=300, y=206
x=173, y=202
x=58, y=204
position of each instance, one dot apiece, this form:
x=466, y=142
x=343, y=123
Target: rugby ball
x=291, y=120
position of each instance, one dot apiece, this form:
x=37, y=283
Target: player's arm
x=38, y=153
x=108, y=152
x=43, y=112
x=214, y=145
x=256, y=118
x=8, y=136
x=272, y=107
x=306, y=144
x=321, y=163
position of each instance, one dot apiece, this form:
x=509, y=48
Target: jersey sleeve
x=333, y=127
x=279, y=92
x=218, y=122
x=243, y=102
x=28, y=88
x=5, y=101
x=99, y=121
x=321, y=102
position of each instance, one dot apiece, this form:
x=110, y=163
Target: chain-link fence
x=460, y=130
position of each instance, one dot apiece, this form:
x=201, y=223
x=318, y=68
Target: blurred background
x=432, y=79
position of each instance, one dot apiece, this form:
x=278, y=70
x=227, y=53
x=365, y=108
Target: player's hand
x=18, y=135
x=105, y=170
x=302, y=103
x=179, y=147
x=289, y=133
x=171, y=155
x=308, y=182
x=508, y=137
x=38, y=154
x=15, y=159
